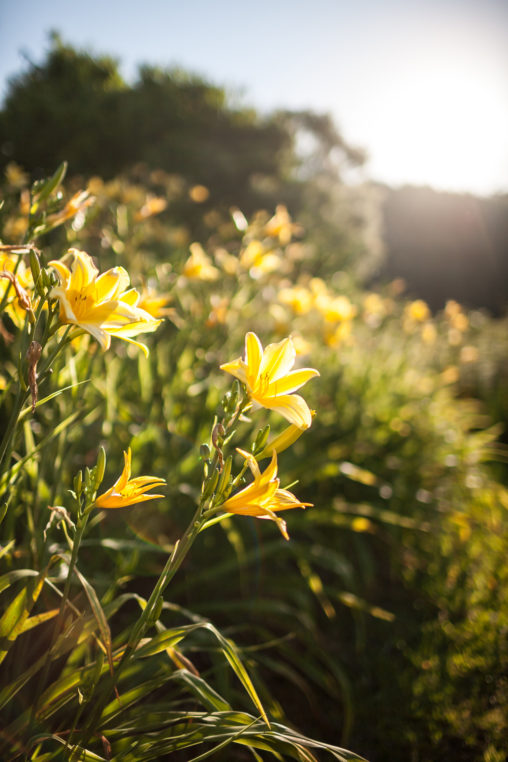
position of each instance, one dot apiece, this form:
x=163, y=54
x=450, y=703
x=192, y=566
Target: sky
x=421, y=85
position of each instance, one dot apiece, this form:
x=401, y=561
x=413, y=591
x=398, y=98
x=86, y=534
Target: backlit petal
x=253, y=356
x=112, y=283
x=291, y=382
x=292, y=407
x=278, y=359
x=236, y=368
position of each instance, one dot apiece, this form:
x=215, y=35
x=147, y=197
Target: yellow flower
x=269, y=380
x=284, y=440
x=263, y=498
x=417, y=311
x=259, y=260
x=154, y=303
x=335, y=309
x=281, y=226
x=199, y=194
x=17, y=280
x=153, y=205
x=299, y=298
x=198, y=265
x=80, y=201
x=126, y=491
x=100, y=304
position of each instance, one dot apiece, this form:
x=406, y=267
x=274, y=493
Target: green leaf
x=6, y=580
x=51, y=184
x=13, y=620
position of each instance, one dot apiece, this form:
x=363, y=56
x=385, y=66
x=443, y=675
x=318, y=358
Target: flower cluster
x=270, y=383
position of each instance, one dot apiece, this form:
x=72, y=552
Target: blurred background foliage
x=383, y=623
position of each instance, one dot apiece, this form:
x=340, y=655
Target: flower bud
x=36, y=272
x=204, y=451
x=100, y=467
x=210, y=484
x=78, y=482
x=225, y=476
x=261, y=439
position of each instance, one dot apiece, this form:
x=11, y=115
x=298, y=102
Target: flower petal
x=278, y=359
x=253, y=356
x=236, y=368
x=291, y=382
x=292, y=407
x=111, y=284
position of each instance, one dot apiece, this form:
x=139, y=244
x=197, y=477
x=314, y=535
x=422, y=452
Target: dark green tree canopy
x=76, y=107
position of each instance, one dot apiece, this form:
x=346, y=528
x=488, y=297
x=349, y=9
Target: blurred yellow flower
x=80, y=201
x=374, y=309
x=18, y=279
x=281, y=226
x=199, y=194
x=263, y=498
x=126, y=491
x=228, y=262
x=450, y=375
x=469, y=354
x=258, y=259
x=219, y=311
x=429, y=333
x=153, y=205
x=154, y=303
x=335, y=309
x=199, y=266
x=269, y=380
x=417, y=311
x=16, y=176
x=335, y=336
x=99, y=304
x=299, y=298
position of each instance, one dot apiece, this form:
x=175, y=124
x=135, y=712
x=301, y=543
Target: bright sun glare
x=445, y=122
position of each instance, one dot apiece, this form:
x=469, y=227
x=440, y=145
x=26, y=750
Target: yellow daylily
x=80, y=201
x=270, y=381
x=126, y=491
x=281, y=226
x=258, y=259
x=263, y=498
x=153, y=205
x=100, y=304
x=199, y=265
x=18, y=278
x=154, y=303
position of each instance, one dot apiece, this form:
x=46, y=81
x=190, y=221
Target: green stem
x=22, y=396
x=174, y=562
x=76, y=542
x=5, y=446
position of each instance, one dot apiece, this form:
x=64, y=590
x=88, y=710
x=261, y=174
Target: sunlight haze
x=422, y=87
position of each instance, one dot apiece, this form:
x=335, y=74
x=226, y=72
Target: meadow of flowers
x=248, y=508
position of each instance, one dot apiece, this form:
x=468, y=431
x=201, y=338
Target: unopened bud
x=33, y=356
x=204, y=451
x=78, y=482
x=261, y=439
x=100, y=467
x=36, y=272
x=225, y=476
x=210, y=484
x=218, y=434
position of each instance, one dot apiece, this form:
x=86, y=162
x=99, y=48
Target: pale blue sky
x=421, y=84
